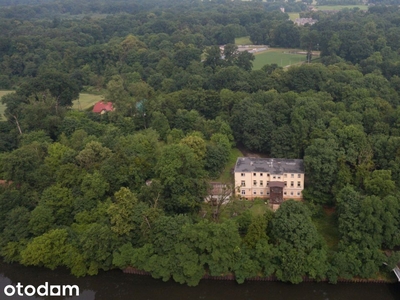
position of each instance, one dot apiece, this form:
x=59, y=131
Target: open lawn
x=86, y=101
x=327, y=226
x=293, y=16
x=244, y=40
x=227, y=175
x=340, y=7
x=279, y=56
x=2, y=106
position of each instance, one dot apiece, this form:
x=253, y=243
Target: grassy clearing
x=244, y=40
x=86, y=101
x=226, y=175
x=293, y=16
x=279, y=56
x=328, y=228
x=259, y=207
x=2, y=106
x=340, y=7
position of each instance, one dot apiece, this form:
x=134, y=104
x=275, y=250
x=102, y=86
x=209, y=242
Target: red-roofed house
x=101, y=107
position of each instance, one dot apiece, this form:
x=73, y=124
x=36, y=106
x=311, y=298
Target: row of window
x=274, y=176
x=243, y=183
x=262, y=193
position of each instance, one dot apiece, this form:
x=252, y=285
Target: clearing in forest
x=86, y=101
x=293, y=16
x=2, y=106
x=340, y=7
x=327, y=226
x=281, y=56
x=244, y=40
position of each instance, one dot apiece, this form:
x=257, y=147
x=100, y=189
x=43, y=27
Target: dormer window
x=261, y=174
x=254, y=174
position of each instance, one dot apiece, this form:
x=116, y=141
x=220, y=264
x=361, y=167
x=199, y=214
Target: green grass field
x=278, y=56
x=328, y=228
x=86, y=101
x=244, y=40
x=293, y=16
x=2, y=106
x=340, y=7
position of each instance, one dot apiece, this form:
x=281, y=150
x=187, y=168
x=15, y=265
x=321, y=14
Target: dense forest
x=94, y=192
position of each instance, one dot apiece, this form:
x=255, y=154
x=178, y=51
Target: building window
x=255, y=193
x=261, y=174
x=279, y=177
x=298, y=175
x=292, y=184
x=284, y=175
x=292, y=175
x=243, y=183
x=267, y=193
x=285, y=183
x=268, y=174
x=261, y=183
x=254, y=182
x=254, y=174
x=298, y=193
x=284, y=193
x=243, y=192
x=291, y=193
x=261, y=193
x=242, y=174
x=298, y=184
x=274, y=177
x=267, y=183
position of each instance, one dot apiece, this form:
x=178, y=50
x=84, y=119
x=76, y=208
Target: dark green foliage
x=93, y=191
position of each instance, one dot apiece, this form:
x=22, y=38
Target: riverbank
x=131, y=270
x=114, y=284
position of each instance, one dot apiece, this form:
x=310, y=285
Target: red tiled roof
x=100, y=106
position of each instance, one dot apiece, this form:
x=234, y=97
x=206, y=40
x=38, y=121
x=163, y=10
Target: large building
x=274, y=178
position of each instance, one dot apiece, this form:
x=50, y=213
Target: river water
x=116, y=285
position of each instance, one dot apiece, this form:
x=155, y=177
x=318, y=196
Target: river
x=116, y=285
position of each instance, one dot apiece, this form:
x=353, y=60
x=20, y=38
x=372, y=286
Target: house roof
x=103, y=106
x=269, y=165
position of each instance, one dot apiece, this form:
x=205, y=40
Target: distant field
x=244, y=40
x=278, y=56
x=293, y=16
x=86, y=101
x=2, y=106
x=340, y=7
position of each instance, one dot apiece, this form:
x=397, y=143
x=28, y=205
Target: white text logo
x=42, y=290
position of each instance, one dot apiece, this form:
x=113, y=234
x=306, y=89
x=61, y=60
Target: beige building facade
x=275, y=178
